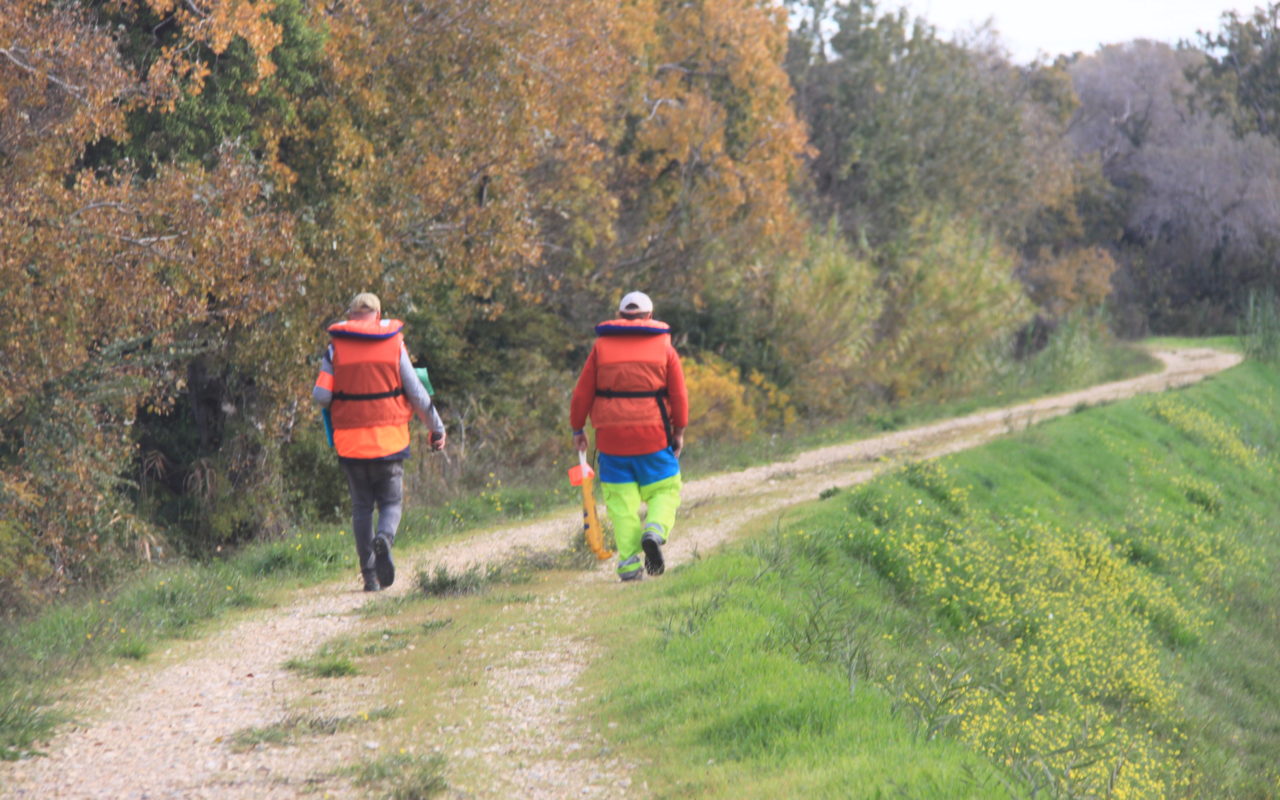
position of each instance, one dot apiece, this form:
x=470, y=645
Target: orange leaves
x=716, y=143
x=1077, y=279
x=480, y=121
x=58, y=78
x=214, y=23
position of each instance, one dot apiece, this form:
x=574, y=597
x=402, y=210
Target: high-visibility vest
x=370, y=412
x=631, y=376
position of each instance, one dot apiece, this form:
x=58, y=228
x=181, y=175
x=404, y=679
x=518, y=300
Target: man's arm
x=678, y=397
x=418, y=398
x=584, y=395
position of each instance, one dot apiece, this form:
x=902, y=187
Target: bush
x=720, y=408
x=821, y=320
x=314, y=483
x=1260, y=327
x=952, y=297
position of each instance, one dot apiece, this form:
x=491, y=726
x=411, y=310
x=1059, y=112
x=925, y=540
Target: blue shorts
x=642, y=470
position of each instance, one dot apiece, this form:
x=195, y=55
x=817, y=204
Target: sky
x=1052, y=27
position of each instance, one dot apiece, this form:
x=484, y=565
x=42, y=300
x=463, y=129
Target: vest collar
x=632, y=327
x=366, y=329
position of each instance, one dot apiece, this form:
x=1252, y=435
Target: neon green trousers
x=622, y=502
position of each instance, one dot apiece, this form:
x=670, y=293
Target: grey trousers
x=373, y=484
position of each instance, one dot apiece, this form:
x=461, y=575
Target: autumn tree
x=119, y=280
x=709, y=148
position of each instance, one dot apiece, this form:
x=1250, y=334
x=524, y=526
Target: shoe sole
x=382, y=563
x=653, y=563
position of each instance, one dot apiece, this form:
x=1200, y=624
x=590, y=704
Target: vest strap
x=658, y=394
x=396, y=392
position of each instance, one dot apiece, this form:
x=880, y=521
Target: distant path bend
x=162, y=730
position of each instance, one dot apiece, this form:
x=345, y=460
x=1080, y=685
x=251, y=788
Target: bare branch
x=104, y=204
x=67, y=87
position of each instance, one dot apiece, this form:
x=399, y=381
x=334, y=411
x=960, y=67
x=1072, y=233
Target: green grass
x=1051, y=373
x=403, y=776
x=288, y=730
x=730, y=693
x=323, y=666
x=1088, y=609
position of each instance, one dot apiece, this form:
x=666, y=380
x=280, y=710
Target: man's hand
x=677, y=441
x=580, y=442
x=438, y=440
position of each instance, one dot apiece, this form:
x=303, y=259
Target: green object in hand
x=422, y=376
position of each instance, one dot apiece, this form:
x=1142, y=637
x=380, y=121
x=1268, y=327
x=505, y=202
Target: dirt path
x=163, y=729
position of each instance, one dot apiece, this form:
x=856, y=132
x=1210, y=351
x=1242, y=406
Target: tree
x=1240, y=78
x=117, y=280
x=710, y=144
x=1196, y=200
x=906, y=122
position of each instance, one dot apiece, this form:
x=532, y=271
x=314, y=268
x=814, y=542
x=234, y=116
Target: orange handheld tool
x=581, y=475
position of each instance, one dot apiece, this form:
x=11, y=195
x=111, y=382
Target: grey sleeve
x=323, y=397
x=416, y=393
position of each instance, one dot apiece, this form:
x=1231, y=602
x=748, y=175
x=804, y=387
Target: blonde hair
x=363, y=303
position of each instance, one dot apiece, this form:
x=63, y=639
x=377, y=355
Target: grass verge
x=1087, y=609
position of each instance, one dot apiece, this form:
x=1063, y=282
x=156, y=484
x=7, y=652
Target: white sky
x=1052, y=27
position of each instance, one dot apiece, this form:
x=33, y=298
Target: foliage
x=904, y=121
x=404, y=776
x=1195, y=237
x=949, y=299
x=235, y=169
x=709, y=145
x=819, y=316
x=1239, y=78
x=1072, y=281
x=718, y=404
x=1260, y=327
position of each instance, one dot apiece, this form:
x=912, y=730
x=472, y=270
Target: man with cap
x=632, y=388
x=371, y=390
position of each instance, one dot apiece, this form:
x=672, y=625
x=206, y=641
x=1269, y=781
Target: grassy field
x=1087, y=609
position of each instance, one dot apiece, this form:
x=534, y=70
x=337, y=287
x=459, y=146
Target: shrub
x=821, y=319
x=719, y=407
x=952, y=296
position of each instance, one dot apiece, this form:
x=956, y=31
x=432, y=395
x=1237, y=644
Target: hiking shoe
x=633, y=575
x=652, y=545
x=371, y=583
x=383, y=566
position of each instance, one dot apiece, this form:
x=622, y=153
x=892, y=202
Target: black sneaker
x=652, y=544
x=371, y=583
x=383, y=566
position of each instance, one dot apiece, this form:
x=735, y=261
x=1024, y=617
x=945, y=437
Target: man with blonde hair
x=371, y=390
x=632, y=387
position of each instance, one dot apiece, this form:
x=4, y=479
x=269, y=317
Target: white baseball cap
x=635, y=301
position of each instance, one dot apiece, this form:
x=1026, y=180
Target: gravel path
x=163, y=729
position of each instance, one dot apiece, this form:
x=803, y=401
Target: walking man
x=371, y=390
x=632, y=388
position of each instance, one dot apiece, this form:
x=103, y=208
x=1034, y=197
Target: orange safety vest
x=631, y=376
x=370, y=411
